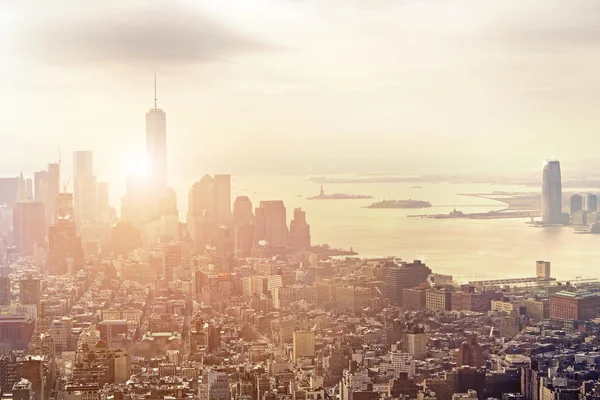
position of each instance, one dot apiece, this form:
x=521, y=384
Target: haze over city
x=417, y=84
x=299, y=200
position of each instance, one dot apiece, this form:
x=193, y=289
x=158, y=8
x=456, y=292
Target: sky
x=317, y=86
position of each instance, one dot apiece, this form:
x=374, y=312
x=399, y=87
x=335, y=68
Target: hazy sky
x=427, y=83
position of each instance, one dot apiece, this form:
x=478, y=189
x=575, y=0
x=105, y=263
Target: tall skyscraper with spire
x=551, y=193
x=156, y=145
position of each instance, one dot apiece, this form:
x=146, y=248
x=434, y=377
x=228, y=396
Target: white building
x=403, y=362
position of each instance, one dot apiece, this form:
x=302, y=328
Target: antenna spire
x=155, y=103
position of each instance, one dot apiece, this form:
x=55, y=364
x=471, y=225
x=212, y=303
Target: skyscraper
x=47, y=188
x=156, y=145
x=403, y=275
x=242, y=226
x=242, y=211
x=551, y=193
x=85, y=187
x=29, y=226
x=222, y=201
x=270, y=223
x=65, y=251
x=576, y=203
x=300, y=230
x=591, y=202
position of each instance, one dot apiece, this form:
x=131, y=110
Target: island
x=400, y=204
x=338, y=196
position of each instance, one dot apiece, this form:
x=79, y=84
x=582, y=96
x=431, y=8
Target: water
x=466, y=249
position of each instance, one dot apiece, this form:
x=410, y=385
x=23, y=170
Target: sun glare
x=137, y=165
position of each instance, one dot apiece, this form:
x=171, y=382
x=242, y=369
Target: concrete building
x=303, y=345
x=300, y=231
x=591, y=203
x=218, y=386
x=551, y=193
x=403, y=362
x=270, y=224
x=283, y=297
x=29, y=226
x=542, y=269
x=85, y=189
x=438, y=299
x=401, y=275
x=576, y=203
x=415, y=344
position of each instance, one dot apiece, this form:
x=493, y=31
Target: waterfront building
x=299, y=231
x=551, y=193
x=591, y=203
x=542, y=269
x=576, y=202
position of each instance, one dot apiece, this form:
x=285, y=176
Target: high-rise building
x=576, y=201
x=303, y=344
x=156, y=145
x=30, y=291
x=65, y=250
x=9, y=191
x=243, y=231
x=591, y=202
x=29, y=226
x=218, y=385
x=403, y=275
x=47, y=188
x=270, y=223
x=222, y=198
x=4, y=291
x=542, y=269
x=300, y=230
x=551, y=193
x=85, y=187
x=242, y=211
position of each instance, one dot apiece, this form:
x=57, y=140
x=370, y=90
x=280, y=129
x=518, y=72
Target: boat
x=338, y=196
x=400, y=204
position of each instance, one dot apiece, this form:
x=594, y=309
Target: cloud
x=149, y=33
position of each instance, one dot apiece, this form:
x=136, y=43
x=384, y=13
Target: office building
x=65, y=250
x=576, y=202
x=438, y=299
x=542, y=269
x=402, y=275
x=299, y=231
x=222, y=198
x=156, y=146
x=551, y=193
x=47, y=189
x=218, y=385
x=29, y=226
x=242, y=211
x=580, y=306
x=415, y=343
x=470, y=353
x=16, y=330
x=85, y=188
x=403, y=362
x=4, y=291
x=30, y=291
x=303, y=344
x=9, y=191
x=591, y=202
x=270, y=224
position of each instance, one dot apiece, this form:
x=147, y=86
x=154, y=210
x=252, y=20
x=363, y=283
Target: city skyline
x=263, y=68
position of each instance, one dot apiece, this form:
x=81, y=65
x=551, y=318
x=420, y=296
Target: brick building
x=581, y=306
